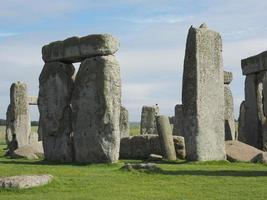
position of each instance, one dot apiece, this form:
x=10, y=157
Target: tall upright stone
x=229, y=119
x=203, y=95
x=178, y=120
x=96, y=104
x=124, y=123
x=148, y=120
x=242, y=135
x=55, y=111
x=18, y=123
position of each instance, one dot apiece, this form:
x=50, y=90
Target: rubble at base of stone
x=151, y=167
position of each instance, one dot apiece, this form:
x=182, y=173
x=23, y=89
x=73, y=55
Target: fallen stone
x=25, y=181
x=165, y=136
x=154, y=157
x=141, y=167
x=55, y=128
x=241, y=152
x=203, y=96
x=260, y=158
x=148, y=120
x=142, y=146
x=254, y=64
x=30, y=151
x=76, y=49
x=228, y=77
x=124, y=123
x=96, y=104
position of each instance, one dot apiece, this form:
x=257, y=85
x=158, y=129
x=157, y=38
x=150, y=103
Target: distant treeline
x=3, y=122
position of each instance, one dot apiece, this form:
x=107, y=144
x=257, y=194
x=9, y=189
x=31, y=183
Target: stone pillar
x=178, y=120
x=203, y=95
x=55, y=111
x=96, y=103
x=148, y=120
x=241, y=123
x=18, y=123
x=229, y=119
x=165, y=135
x=124, y=123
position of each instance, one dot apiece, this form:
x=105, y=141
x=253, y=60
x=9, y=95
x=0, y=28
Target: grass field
x=179, y=180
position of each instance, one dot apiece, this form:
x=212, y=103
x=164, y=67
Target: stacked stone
x=202, y=95
x=18, y=125
x=124, y=123
x=229, y=119
x=178, y=120
x=255, y=106
x=79, y=120
x=148, y=120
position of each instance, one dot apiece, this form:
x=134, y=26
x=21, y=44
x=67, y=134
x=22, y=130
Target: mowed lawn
x=179, y=180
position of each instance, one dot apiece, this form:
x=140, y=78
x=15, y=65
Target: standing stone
x=203, y=95
x=18, y=124
x=55, y=111
x=241, y=123
x=165, y=135
x=229, y=119
x=96, y=103
x=148, y=120
x=124, y=123
x=252, y=122
x=178, y=121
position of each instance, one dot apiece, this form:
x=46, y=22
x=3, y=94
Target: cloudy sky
x=152, y=34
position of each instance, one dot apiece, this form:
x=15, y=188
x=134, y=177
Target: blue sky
x=152, y=36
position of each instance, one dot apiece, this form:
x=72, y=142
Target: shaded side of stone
x=229, y=119
x=202, y=96
x=55, y=87
x=148, y=120
x=178, y=120
x=241, y=123
x=124, y=123
x=254, y=64
x=142, y=146
x=18, y=125
x=96, y=104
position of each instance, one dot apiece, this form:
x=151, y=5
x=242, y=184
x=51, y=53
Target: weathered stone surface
x=178, y=120
x=228, y=77
x=33, y=138
x=260, y=158
x=252, y=123
x=241, y=123
x=238, y=151
x=124, y=123
x=202, y=96
x=32, y=100
x=25, y=181
x=154, y=157
x=76, y=49
x=148, y=120
x=165, y=136
x=229, y=118
x=55, y=112
x=141, y=146
x=254, y=64
x=96, y=103
x=30, y=151
x=18, y=125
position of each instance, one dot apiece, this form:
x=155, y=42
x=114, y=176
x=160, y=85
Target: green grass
x=178, y=180
x=134, y=129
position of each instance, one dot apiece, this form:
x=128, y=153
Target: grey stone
x=252, y=123
x=241, y=123
x=229, y=118
x=154, y=157
x=148, y=120
x=76, y=49
x=178, y=121
x=202, y=96
x=30, y=151
x=142, y=146
x=25, y=181
x=55, y=88
x=124, y=123
x=238, y=151
x=140, y=166
x=260, y=158
x=18, y=125
x=165, y=135
x=32, y=100
x=33, y=138
x=254, y=64
x=228, y=77
x=96, y=103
